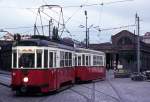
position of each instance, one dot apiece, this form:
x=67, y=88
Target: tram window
x=26, y=60
x=79, y=60
x=14, y=59
x=87, y=60
x=45, y=58
x=66, y=59
x=75, y=60
x=94, y=60
x=83, y=59
x=55, y=59
x=70, y=59
x=101, y=60
x=62, y=57
x=50, y=59
x=39, y=58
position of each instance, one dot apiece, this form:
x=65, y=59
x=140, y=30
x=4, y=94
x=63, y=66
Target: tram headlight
x=25, y=79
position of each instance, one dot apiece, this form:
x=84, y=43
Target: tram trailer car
x=90, y=65
x=41, y=66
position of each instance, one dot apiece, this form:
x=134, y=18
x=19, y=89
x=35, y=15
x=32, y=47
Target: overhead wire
x=133, y=25
x=80, y=7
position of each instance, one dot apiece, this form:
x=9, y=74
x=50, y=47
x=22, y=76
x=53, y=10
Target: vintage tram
x=42, y=65
x=39, y=65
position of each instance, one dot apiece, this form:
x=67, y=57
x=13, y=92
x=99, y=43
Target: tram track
x=100, y=92
x=108, y=79
x=4, y=83
x=119, y=99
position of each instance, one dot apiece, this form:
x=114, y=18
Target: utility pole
x=88, y=39
x=138, y=42
x=85, y=12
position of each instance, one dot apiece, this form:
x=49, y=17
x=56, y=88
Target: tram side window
x=87, y=60
x=70, y=59
x=83, y=59
x=97, y=60
x=66, y=59
x=75, y=60
x=94, y=60
x=79, y=60
x=39, y=58
x=62, y=58
x=100, y=60
x=14, y=59
x=55, y=59
x=45, y=58
x=50, y=59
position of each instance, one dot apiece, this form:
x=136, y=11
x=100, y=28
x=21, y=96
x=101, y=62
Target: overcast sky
x=14, y=13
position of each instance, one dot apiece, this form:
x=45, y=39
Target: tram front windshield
x=26, y=60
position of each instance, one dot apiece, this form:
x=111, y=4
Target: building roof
x=106, y=47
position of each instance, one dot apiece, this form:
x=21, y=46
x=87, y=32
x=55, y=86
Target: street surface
x=110, y=90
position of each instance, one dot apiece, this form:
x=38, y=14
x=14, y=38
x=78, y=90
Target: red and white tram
x=90, y=64
x=43, y=66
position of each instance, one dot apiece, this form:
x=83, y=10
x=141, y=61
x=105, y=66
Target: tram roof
x=84, y=50
x=44, y=43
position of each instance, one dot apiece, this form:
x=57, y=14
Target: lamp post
x=138, y=42
x=85, y=12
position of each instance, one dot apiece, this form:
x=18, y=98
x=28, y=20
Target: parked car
x=121, y=73
x=147, y=73
x=138, y=76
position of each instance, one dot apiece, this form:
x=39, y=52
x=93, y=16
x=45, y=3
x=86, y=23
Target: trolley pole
x=34, y=29
x=138, y=42
x=86, y=29
x=50, y=26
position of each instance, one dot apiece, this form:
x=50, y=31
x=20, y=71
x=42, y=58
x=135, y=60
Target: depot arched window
x=124, y=41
